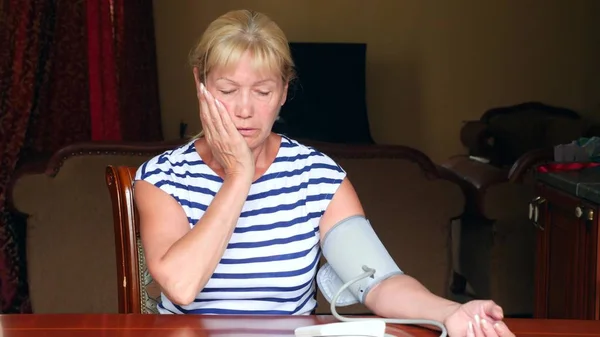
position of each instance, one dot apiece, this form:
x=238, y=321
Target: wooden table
x=94, y=325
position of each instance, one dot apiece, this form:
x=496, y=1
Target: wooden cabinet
x=567, y=272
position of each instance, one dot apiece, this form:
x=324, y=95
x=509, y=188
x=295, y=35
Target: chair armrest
x=477, y=137
x=478, y=175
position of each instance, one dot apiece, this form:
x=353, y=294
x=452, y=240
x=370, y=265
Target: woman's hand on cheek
x=228, y=146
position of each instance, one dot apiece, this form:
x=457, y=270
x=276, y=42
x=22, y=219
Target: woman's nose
x=243, y=107
x=243, y=112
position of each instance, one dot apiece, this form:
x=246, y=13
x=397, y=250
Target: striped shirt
x=270, y=262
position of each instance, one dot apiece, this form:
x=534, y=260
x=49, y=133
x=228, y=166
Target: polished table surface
x=93, y=325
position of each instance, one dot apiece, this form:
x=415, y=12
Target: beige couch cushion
x=70, y=236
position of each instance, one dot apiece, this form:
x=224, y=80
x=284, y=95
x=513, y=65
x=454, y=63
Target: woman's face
x=253, y=98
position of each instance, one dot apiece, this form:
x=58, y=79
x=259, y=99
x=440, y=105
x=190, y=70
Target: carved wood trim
x=368, y=151
x=51, y=166
x=105, y=148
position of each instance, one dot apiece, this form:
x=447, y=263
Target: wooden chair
x=138, y=293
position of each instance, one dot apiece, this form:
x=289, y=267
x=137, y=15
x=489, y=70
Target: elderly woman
x=231, y=222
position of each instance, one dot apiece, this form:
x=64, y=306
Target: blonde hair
x=231, y=35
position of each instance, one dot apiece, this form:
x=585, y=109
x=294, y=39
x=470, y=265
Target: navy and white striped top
x=270, y=263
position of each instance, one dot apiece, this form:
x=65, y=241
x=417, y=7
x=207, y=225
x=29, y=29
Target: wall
x=431, y=64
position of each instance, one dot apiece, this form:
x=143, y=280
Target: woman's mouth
x=246, y=131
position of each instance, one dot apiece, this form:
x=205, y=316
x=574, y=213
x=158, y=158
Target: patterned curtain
x=55, y=85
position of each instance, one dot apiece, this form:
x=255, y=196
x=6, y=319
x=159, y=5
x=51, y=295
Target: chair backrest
x=138, y=293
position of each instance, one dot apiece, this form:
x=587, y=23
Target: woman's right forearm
x=188, y=265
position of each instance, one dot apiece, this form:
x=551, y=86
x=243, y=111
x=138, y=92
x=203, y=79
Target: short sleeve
x=158, y=171
x=326, y=176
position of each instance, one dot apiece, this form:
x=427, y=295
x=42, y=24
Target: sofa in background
x=504, y=134
x=70, y=237
x=495, y=237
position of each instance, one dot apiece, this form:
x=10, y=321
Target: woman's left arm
x=400, y=296
x=404, y=297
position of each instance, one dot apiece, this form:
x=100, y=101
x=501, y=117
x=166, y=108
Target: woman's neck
x=264, y=155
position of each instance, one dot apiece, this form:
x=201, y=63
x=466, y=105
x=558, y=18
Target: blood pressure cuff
x=347, y=247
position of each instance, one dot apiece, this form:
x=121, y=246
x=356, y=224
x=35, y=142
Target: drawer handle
x=578, y=212
x=534, y=211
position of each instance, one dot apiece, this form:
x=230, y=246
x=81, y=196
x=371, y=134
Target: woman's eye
x=264, y=93
x=226, y=92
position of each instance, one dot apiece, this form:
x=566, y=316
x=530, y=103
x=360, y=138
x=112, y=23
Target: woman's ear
x=284, y=94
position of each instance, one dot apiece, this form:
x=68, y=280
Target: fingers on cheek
x=204, y=114
x=224, y=105
x=223, y=109
x=219, y=105
x=200, y=92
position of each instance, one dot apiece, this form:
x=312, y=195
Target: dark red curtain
x=104, y=105
x=70, y=71
x=124, y=103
